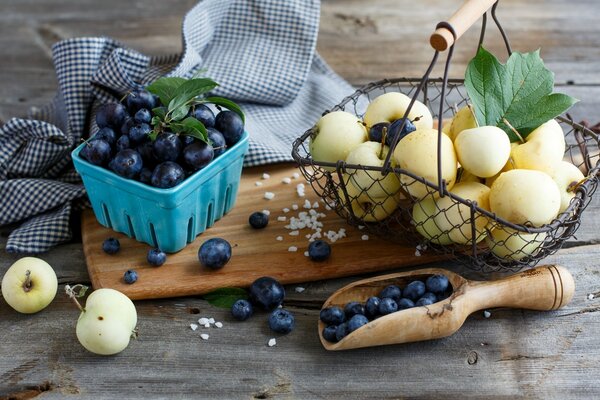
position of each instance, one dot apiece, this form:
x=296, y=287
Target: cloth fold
x=262, y=53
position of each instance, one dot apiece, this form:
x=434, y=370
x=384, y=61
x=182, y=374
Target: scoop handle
x=461, y=20
x=544, y=288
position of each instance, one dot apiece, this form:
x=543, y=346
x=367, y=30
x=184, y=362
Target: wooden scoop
x=547, y=287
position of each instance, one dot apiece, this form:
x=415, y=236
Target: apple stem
x=514, y=130
x=383, y=137
x=73, y=295
x=472, y=109
x=573, y=186
x=27, y=283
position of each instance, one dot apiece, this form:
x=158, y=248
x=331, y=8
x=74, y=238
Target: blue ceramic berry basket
x=165, y=218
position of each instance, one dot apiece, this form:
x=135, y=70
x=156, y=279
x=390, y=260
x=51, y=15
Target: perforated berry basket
x=481, y=240
x=165, y=218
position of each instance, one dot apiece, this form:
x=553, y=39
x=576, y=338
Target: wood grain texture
x=514, y=354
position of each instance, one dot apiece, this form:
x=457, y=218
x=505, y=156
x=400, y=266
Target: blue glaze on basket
x=165, y=218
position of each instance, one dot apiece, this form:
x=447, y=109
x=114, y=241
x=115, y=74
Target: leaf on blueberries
x=188, y=91
x=191, y=127
x=228, y=104
x=160, y=112
x=225, y=297
x=519, y=91
x=165, y=88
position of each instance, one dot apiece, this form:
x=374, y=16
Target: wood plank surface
x=513, y=354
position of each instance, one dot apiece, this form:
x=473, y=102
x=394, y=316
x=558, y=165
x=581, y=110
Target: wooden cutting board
x=256, y=253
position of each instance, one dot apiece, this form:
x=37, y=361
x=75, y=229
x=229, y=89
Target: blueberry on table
x=353, y=308
x=281, y=321
x=372, y=307
x=156, y=257
x=111, y=115
x=127, y=163
x=167, y=175
x=377, y=131
x=387, y=306
x=145, y=176
x=217, y=140
x=258, y=220
x=107, y=134
x=329, y=333
x=142, y=116
x=230, y=125
x=394, y=130
x=266, y=293
x=130, y=276
x=392, y=292
x=332, y=315
x=215, y=253
x=97, y=152
x=414, y=290
x=319, y=250
x=242, y=310
x=111, y=246
x=139, y=98
x=204, y=114
x=437, y=283
x=122, y=143
x=198, y=155
x=341, y=331
x=356, y=322
x=167, y=147
x=405, y=303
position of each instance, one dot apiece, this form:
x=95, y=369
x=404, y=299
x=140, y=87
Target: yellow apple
x=372, y=182
x=391, y=106
x=543, y=148
x=514, y=245
x=336, y=134
x=423, y=215
x=566, y=175
x=483, y=151
x=29, y=285
x=463, y=119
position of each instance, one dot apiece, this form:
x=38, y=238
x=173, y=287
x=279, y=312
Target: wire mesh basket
x=400, y=206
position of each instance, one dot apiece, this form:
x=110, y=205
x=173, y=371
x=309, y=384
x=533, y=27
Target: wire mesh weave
x=384, y=200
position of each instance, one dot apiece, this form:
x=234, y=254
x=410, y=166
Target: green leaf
x=228, y=104
x=519, y=91
x=189, y=90
x=155, y=120
x=165, y=88
x=180, y=112
x=225, y=297
x=160, y=112
x=191, y=127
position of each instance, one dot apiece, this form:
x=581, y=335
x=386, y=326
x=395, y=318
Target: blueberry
x=242, y=310
x=430, y=296
x=215, y=253
x=198, y=155
x=122, y=143
x=437, y=283
x=353, y=308
x=424, y=301
x=258, y=220
x=127, y=163
x=387, y=306
x=167, y=147
x=392, y=292
x=96, y=152
x=139, y=98
x=186, y=140
x=205, y=115
x=376, y=132
x=106, y=134
x=147, y=152
x=319, y=250
x=372, y=307
x=230, y=125
x=281, y=321
x=356, y=322
x=405, y=303
x=130, y=276
x=267, y=293
x=217, y=140
x=414, y=290
x=329, y=333
x=138, y=133
x=332, y=315
x=156, y=257
x=167, y=175
x=126, y=126
x=341, y=331
x=395, y=128
x=142, y=116
x=111, y=246
x=145, y=176
x=111, y=115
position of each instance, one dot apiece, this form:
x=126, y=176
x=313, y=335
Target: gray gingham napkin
x=262, y=53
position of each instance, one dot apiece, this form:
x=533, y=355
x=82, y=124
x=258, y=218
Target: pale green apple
x=507, y=243
x=463, y=119
x=373, y=183
x=335, y=135
x=543, y=148
x=391, y=106
x=566, y=176
x=29, y=285
x=483, y=151
x=107, y=322
x=423, y=215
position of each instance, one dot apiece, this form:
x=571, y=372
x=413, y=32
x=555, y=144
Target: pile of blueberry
x=341, y=322
x=267, y=294
x=128, y=145
x=155, y=257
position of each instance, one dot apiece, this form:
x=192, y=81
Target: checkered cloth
x=261, y=52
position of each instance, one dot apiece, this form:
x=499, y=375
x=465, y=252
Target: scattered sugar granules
x=299, y=289
x=280, y=238
x=365, y=237
x=193, y=326
x=269, y=195
x=266, y=176
x=590, y=296
x=295, y=175
x=272, y=342
x=281, y=218
x=203, y=321
x=307, y=204
x=294, y=233
x=487, y=314
x=292, y=249
x=306, y=254
x=294, y=206
x=204, y=336
x=286, y=181
x=219, y=324
x=286, y=210
x=266, y=212
x=258, y=183
x=300, y=189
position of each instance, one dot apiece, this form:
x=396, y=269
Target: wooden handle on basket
x=543, y=288
x=461, y=20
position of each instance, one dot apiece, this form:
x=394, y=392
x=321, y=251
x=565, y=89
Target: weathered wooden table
x=516, y=354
